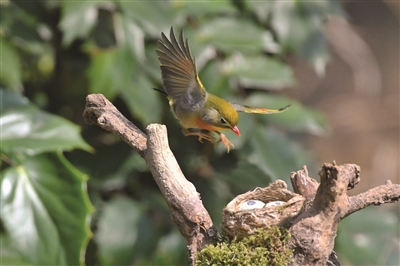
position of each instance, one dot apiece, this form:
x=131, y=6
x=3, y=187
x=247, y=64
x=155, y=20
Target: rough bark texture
x=185, y=205
x=314, y=230
x=312, y=215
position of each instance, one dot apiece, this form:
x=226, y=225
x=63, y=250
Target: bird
x=199, y=112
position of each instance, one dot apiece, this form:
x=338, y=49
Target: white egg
x=251, y=204
x=274, y=203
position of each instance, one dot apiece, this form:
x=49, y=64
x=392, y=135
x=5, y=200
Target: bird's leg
x=224, y=139
x=202, y=134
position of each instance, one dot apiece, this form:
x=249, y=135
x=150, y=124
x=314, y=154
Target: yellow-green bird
x=200, y=113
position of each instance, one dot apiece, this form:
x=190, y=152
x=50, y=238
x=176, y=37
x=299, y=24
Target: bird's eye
x=223, y=121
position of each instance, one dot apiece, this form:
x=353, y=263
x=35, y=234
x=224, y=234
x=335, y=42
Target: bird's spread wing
x=257, y=110
x=178, y=69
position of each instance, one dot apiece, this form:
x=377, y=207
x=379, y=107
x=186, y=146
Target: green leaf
x=11, y=71
x=27, y=129
x=77, y=20
x=245, y=176
x=123, y=74
x=124, y=234
x=171, y=250
x=258, y=72
x=299, y=27
x=9, y=256
x=230, y=34
x=369, y=237
x=275, y=154
x=152, y=16
x=133, y=37
x=261, y=10
x=103, y=74
x=298, y=118
x=45, y=208
x=204, y=8
x=142, y=100
x=213, y=80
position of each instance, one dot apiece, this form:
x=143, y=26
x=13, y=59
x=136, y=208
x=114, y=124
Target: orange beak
x=236, y=130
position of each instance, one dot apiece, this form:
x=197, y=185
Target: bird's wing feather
x=257, y=110
x=178, y=69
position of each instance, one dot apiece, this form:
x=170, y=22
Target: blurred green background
x=76, y=194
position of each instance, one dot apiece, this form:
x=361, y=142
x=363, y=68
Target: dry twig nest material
x=260, y=208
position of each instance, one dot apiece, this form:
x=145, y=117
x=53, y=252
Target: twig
x=387, y=193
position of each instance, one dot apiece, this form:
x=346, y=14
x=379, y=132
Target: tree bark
x=186, y=207
x=311, y=215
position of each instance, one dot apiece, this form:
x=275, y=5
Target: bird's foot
x=207, y=135
x=224, y=139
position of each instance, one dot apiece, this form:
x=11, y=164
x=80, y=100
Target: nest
x=260, y=208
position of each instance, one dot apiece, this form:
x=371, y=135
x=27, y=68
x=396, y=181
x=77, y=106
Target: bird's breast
x=204, y=125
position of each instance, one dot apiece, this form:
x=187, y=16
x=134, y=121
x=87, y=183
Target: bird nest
x=260, y=208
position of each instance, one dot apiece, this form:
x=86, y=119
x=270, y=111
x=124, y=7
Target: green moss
x=266, y=247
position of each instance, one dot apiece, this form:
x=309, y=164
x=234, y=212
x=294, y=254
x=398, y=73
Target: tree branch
x=387, y=193
x=186, y=207
x=312, y=218
x=314, y=230
x=100, y=111
x=304, y=185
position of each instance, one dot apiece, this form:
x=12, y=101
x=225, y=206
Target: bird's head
x=220, y=114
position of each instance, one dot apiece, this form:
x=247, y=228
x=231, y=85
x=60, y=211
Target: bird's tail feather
x=258, y=110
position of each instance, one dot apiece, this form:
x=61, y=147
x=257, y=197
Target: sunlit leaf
x=9, y=256
x=258, y=72
x=133, y=37
x=299, y=27
x=152, y=16
x=27, y=129
x=44, y=209
x=261, y=9
x=205, y=8
x=122, y=234
x=77, y=20
x=230, y=34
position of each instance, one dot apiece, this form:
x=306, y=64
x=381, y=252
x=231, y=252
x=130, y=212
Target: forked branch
x=185, y=205
x=312, y=218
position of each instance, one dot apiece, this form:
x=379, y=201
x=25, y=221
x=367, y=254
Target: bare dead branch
x=186, y=207
x=312, y=225
x=387, y=193
x=314, y=230
x=100, y=111
x=303, y=184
